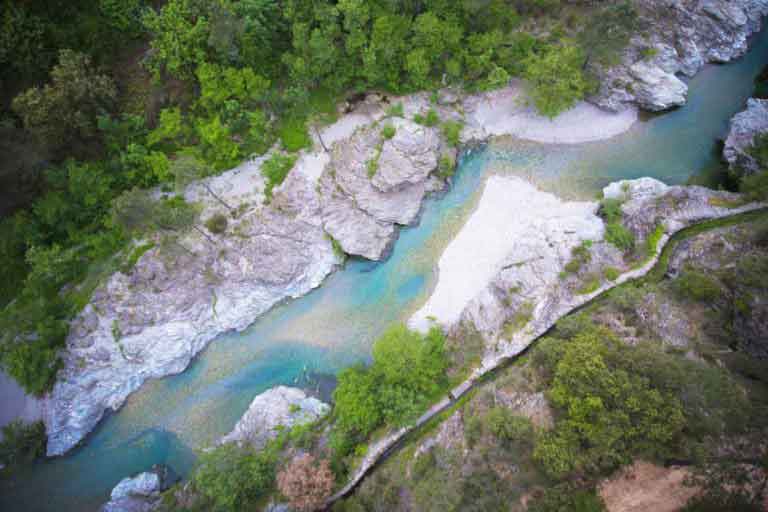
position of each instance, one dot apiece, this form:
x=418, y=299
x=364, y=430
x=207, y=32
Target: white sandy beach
x=513, y=218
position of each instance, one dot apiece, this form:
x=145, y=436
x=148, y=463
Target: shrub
x=611, y=273
x=452, y=132
x=408, y=371
x=430, y=119
x=395, y=110
x=294, y=135
x=610, y=210
x=580, y=256
x=620, y=237
x=446, y=166
x=508, y=427
x=694, y=285
x=235, y=478
x=388, y=131
x=275, y=170
x=22, y=443
x=217, y=223
x=591, y=284
x=372, y=166
x=306, y=483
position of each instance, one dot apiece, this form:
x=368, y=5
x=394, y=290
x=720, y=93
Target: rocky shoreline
x=152, y=321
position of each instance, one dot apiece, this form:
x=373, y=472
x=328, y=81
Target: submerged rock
x=744, y=127
x=272, y=410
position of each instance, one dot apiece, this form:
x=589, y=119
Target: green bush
x=274, y=171
x=508, y=427
x=610, y=210
x=430, y=119
x=620, y=237
x=395, y=110
x=388, y=131
x=580, y=256
x=22, y=443
x=235, y=478
x=446, y=167
x=452, y=132
x=217, y=223
x=407, y=372
x=294, y=135
x=695, y=285
x=611, y=273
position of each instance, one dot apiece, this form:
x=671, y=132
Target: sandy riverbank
x=513, y=220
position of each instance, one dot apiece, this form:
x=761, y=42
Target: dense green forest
x=102, y=100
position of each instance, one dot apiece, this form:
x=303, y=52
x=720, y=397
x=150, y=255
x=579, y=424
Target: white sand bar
x=513, y=221
x=508, y=111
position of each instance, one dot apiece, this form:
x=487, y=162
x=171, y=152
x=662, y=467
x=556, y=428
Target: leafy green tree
x=217, y=145
x=171, y=128
x=555, y=79
x=219, y=84
x=179, y=38
x=234, y=478
x=607, y=33
x=123, y=15
x=67, y=108
x=22, y=443
x=21, y=40
x=383, y=62
x=609, y=414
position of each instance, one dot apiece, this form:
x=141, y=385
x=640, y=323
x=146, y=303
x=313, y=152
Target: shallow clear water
x=334, y=326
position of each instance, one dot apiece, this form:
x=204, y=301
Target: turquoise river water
x=334, y=326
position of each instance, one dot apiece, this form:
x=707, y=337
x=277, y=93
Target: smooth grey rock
x=640, y=188
x=656, y=89
x=408, y=157
x=744, y=127
x=275, y=408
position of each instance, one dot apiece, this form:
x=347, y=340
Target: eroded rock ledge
x=685, y=35
x=744, y=127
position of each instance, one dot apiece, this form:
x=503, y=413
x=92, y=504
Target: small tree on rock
x=306, y=483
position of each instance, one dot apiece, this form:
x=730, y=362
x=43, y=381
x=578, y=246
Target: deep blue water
x=334, y=326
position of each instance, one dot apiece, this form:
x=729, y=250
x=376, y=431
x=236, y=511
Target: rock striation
x=275, y=409
x=685, y=35
x=743, y=128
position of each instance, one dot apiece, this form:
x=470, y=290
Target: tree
x=607, y=33
x=306, y=483
x=22, y=443
x=234, y=478
x=555, y=79
x=67, y=108
x=180, y=34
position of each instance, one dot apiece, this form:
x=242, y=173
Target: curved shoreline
x=379, y=450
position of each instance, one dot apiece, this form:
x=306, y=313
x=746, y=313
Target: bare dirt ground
x=645, y=487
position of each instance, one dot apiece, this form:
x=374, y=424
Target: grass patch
x=452, y=132
x=611, y=273
x=395, y=110
x=430, y=119
x=519, y=319
x=135, y=255
x=388, y=131
x=294, y=135
x=446, y=167
x=723, y=202
x=591, y=284
x=580, y=256
x=274, y=171
x=620, y=237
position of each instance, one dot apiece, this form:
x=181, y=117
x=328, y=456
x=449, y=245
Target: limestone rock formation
x=744, y=127
x=279, y=407
x=140, y=493
x=685, y=35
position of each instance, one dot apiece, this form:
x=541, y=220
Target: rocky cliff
x=744, y=127
x=683, y=36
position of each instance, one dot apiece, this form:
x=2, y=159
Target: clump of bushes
x=217, y=223
x=580, y=256
x=611, y=273
x=275, y=170
x=22, y=443
x=294, y=135
x=695, y=285
x=407, y=372
x=446, y=166
x=620, y=237
x=452, y=132
x=430, y=119
x=388, y=131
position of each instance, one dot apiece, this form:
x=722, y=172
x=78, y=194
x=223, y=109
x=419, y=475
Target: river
x=334, y=326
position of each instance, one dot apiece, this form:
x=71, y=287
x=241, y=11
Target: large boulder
x=744, y=127
x=140, y=493
x=276, y=408
x=656, y=89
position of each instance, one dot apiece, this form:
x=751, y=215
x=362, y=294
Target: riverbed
x=334, y=326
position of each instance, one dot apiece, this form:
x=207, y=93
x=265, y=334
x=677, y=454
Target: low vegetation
x=22, y=443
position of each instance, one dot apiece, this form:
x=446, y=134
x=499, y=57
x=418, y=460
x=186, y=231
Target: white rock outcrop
x=744, y=127
x=276, y=408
